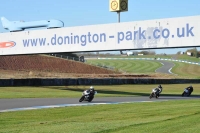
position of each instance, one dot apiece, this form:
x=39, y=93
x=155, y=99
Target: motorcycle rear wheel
x=91, y=98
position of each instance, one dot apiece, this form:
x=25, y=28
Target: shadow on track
x=121, y=92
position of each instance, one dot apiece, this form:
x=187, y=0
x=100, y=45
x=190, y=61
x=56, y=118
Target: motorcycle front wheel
x=81, y=99
x=151, y=95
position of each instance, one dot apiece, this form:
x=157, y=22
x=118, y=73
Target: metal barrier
x=81, y=58
x=91, y=81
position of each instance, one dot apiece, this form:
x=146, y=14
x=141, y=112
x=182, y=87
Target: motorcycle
x=186, y=93
x=86, y=96
x=154, y=93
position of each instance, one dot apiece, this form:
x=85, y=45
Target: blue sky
x=91, y=12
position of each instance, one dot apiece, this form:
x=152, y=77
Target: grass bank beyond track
x=172, y=56
x=130, y=66
x=158, y=117
x=103, y=91
x=182, y=70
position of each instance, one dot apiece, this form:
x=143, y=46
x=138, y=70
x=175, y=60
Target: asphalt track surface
x=7, y=105
x=166, y=68
x=39, y=103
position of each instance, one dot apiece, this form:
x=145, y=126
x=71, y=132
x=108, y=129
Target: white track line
x=70, y=105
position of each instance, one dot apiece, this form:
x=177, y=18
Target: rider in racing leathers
x=91, y=91
x=190, y=89
x=159, y=90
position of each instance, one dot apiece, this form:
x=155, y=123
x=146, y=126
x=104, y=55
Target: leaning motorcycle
x=86, y=96
x=185, y=93
x=154, y=93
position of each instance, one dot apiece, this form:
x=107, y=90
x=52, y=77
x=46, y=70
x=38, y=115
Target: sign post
x=118, y=6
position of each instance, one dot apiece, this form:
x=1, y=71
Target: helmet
x=91, y=88
x=159, y=86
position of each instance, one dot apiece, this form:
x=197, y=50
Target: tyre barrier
x=91, y=81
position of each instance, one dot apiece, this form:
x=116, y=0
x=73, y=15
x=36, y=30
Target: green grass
x=142, y=56
x=131, y=66
x=188, y=58
x=160, y=117
x=186, y=70
x=178, y=57
x=183, y=70
x=171, y=116
x=103, y=91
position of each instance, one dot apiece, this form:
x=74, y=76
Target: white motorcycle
x=86, y=96
x=185, y=93
x=154, y=93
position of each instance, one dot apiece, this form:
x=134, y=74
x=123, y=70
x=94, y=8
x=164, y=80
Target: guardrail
x=103, y=66
x=80, y=59
x=91, y=81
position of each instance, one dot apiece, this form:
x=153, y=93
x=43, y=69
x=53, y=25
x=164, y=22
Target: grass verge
x=103, y=91
x=166, y=117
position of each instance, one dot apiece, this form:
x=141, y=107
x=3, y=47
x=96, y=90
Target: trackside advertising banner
x=161, y=33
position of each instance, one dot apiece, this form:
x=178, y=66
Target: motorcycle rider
x=91, y=91
x=190, y=89
x=159, y=90
x=88, y=94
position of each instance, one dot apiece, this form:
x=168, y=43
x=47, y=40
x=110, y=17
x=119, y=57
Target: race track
x=166, y=68
x=8, y=105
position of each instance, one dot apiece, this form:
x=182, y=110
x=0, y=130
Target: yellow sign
x=118, y=5
x=114, y=5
